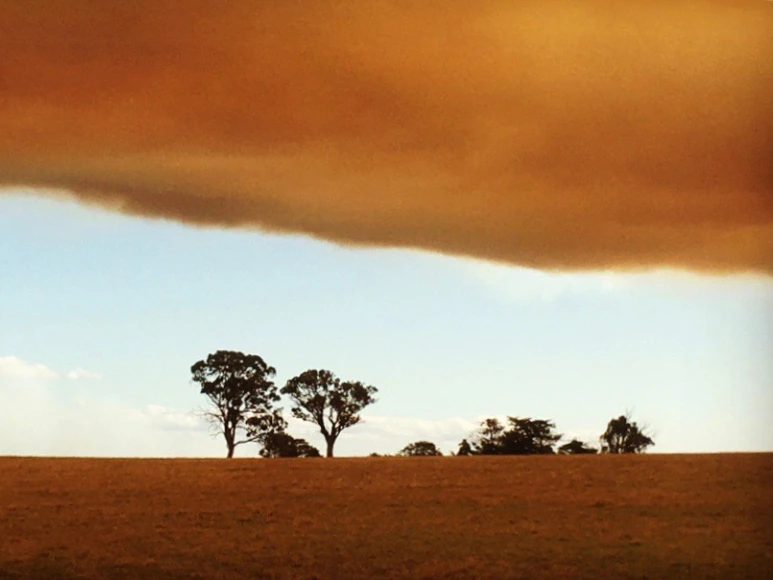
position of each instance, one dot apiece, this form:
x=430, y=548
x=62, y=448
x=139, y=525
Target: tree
x=420, y=449
x=624, y=436
x=282, y=444
x=321, y=398
x=523, y=436
x=487, y=439
x=529, y=437
x=464, y=448
x=241, y=396
x=576, y=447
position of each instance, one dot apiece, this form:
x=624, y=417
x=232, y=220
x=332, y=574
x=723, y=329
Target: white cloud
x=390, y=434
x=414, y=428
x=170, y=420
x=80, y=373
x=15, y=368
x=527, y=285
x=517, y=284
x=589, y=436
x=96, y=426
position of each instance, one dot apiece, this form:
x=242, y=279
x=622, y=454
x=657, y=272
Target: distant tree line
x=242, y=408
x=526, y=436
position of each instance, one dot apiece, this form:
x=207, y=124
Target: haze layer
x=556, y=135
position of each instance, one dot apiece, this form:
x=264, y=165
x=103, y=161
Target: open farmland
x=655, y=516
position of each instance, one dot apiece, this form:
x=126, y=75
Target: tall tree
x=241, y=396
x=321, y=398
x=624, y=436
x=420, y=449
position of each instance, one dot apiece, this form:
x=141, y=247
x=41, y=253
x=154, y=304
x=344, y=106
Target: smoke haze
x=555, y=135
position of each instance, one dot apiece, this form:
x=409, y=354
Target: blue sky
x=125, y=306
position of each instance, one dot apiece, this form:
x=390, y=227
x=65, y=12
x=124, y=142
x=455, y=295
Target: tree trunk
x=229, y=432
x=330, y=442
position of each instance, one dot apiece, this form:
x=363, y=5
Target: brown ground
x=654, y=516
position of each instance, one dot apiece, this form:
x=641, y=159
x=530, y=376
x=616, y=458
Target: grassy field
x=654, y=516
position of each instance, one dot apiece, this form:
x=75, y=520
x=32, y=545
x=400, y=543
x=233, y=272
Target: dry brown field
x=652, y=516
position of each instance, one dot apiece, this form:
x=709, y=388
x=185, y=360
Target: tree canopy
x=488, y=438
x=624, y=436
x=321, y=398
x=576, y=447
x=464, y=448
x=522, y=436
x=420, y=449
x=282, y=444
x=241, y=396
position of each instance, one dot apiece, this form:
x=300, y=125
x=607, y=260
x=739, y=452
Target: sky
x=102, y=316
x=561, y=210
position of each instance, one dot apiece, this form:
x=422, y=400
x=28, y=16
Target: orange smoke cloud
x=573, y=135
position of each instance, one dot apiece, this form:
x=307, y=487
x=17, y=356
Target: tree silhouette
x=464, y=448
x=528, y=436
x=488, y=438
x=420, y=449
x=282, y=444
x=321, y=398
x=624, y=436
x=241, y=396
x=523, y=436
x=576, y=447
